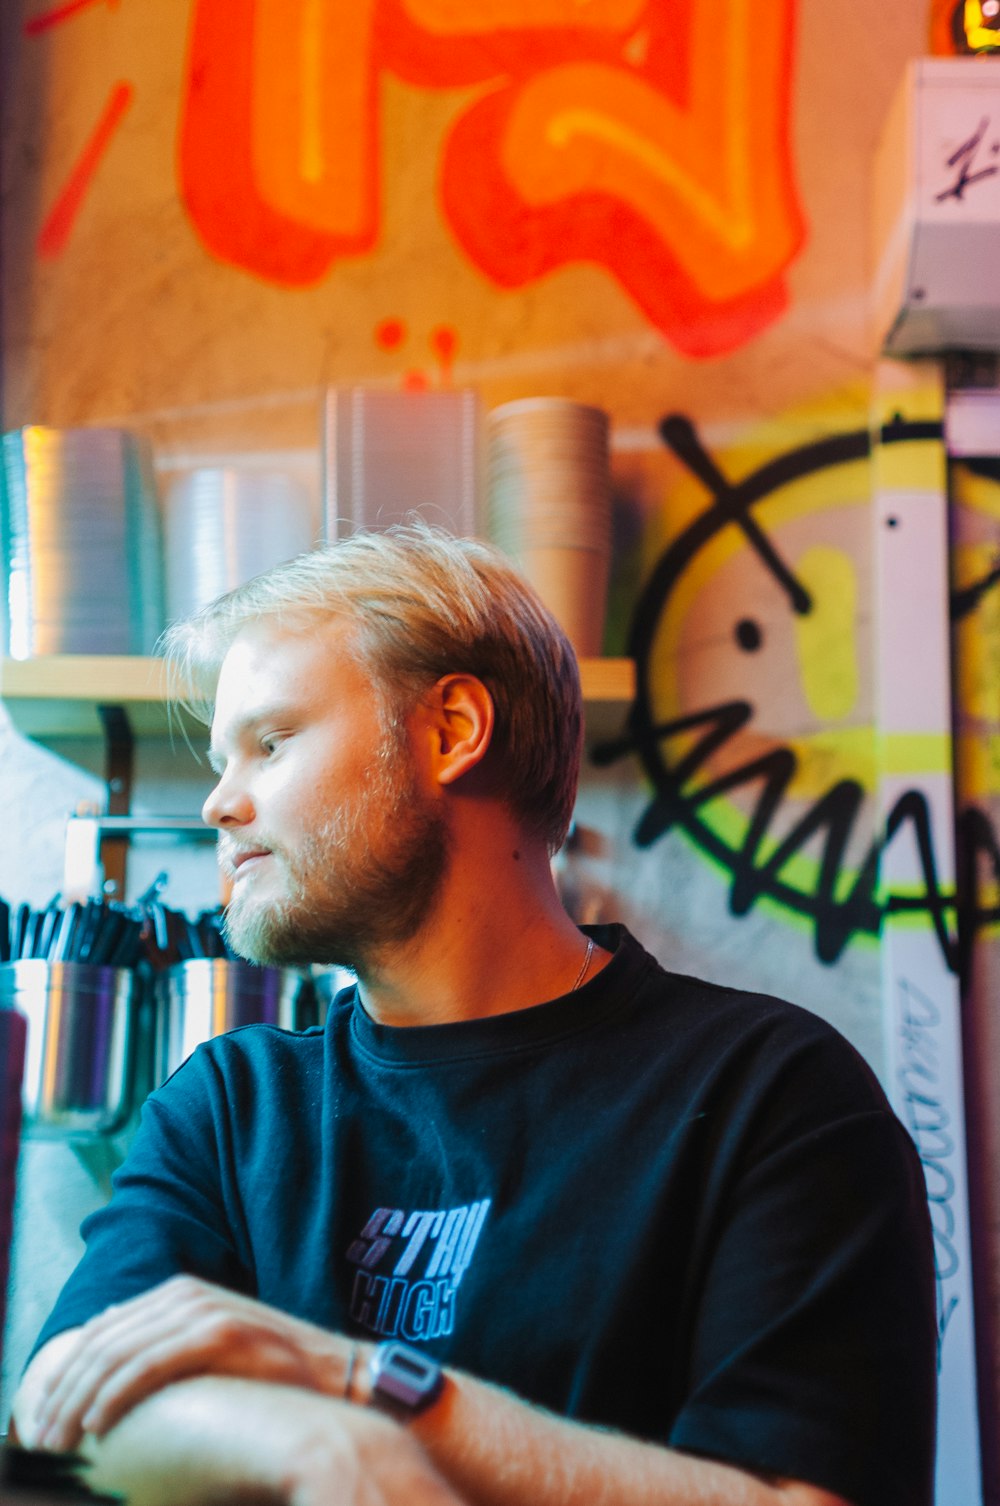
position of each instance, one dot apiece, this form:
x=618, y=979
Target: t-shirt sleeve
x=175, y=1205
x=814, y=1350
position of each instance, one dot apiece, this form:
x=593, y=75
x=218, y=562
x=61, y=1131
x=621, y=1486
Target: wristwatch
x=404, y=1382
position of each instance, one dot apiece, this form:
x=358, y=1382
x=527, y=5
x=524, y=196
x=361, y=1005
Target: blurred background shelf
x=59, y=696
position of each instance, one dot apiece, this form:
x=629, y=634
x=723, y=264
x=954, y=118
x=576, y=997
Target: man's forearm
x=496, y=1450
x=493, y=1448
x=216, y=1438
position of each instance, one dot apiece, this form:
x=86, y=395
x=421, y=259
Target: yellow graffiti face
x=731, y=633
x=754, y=716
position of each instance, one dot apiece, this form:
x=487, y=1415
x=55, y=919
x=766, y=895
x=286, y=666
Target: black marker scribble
x=965, y=602
x=964, y=157
x=924, y=1113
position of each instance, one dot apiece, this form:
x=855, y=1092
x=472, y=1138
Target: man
x=642, y=1239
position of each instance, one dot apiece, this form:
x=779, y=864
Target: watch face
x=404, y=1378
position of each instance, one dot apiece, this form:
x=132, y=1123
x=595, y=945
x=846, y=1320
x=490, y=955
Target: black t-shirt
x=654, y=1204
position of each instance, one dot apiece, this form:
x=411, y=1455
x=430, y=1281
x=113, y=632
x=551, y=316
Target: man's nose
x=227, y=805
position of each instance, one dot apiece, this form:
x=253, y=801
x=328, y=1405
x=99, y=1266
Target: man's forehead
x=294, y=629
x=272, y=663
x=312, y=642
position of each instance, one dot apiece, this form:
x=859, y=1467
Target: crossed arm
x=190, y=1394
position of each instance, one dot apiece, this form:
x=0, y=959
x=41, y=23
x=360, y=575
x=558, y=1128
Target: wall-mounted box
x=937, y=210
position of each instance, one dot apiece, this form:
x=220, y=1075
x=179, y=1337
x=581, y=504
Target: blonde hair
x=424, y=604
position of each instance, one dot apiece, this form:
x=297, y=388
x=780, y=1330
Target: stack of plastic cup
x=80, y=556
x=393, y=457
x=549, y=507
x=223, y=524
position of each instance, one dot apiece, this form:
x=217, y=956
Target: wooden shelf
x=58, y=697
x=608, y=691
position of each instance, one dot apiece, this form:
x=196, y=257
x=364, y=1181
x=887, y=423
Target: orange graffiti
x=44, y=22
x=654, y=144
x=59, y=221
x=283, y=209
x=313, y=117
x=452, y=18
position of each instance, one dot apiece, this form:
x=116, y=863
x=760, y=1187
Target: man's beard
x=365, y=881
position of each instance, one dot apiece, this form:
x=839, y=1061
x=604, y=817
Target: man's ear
x=461, y=721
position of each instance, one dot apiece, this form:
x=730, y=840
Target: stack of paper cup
x=549, y=507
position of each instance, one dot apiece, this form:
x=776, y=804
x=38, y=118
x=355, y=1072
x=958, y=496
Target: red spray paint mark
x=444, y=343
x=59, y=222
x=390, y=334
x=60, y=13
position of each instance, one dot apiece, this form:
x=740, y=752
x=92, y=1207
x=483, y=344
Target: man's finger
x=182, y=1328
x=133, y=1362
x=118, y=1331
x=221, y=1344
x=122, y=1347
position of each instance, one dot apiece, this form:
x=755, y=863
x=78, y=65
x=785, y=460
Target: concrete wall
x=662, y=208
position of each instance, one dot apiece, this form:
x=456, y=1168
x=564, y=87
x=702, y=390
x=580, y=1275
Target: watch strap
x=403, y=1381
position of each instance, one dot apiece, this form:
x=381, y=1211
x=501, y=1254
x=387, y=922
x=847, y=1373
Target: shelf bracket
x=119, y=758
x=87, y=832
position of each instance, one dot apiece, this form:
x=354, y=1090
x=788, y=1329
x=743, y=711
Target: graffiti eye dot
x=892, y=522
x=749, y=635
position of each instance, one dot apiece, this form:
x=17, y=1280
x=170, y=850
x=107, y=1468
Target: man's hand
x=183, y=1328
x=215, y=1439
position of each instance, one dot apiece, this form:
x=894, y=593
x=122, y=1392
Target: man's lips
x=239, y=863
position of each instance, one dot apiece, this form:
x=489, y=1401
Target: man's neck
x=498, y=939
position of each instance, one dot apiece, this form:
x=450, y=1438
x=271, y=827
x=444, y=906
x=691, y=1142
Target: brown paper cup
x=573, y=584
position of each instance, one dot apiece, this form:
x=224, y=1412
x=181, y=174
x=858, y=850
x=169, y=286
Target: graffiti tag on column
x=837, y=896
x=651, y=140
x=929, y=1122
x=964, y=158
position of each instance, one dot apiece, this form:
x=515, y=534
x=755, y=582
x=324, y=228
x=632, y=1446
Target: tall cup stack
x=549, y=507
x=224, y=524
x=80, y=555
